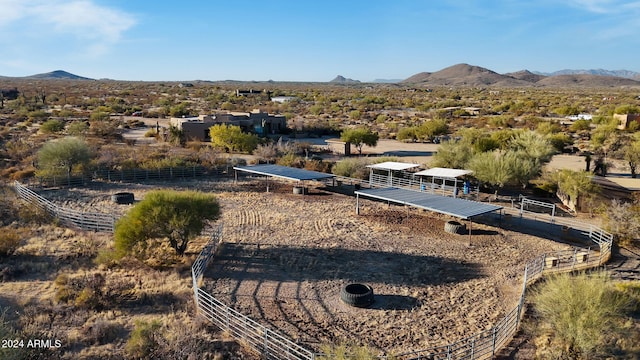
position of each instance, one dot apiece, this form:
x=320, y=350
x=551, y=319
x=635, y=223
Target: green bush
x=52, y=126
x=143, y=340
x=580, y=316
x=78, y=128
x=10, y=240
x=346, y=352
x=353, y=168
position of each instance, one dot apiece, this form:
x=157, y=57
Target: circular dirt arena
x=286, y=257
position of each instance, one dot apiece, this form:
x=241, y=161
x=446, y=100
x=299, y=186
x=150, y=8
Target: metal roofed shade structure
x=460, y=208
x=392, y=165
x=283, y=172
x=389, y=167
x=444, y=174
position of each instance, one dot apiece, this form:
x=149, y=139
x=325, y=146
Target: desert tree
x=622, y=218
x=63, y=154
x=359, y=137
x=174, y=216
x=231, y=138
x=451, y=154
x=491, y=168
x=533, y=145
x=631, y=153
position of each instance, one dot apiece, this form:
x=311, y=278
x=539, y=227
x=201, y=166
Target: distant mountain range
x=466, y=75
x=469, y=75
x=618, y=73
x=53, y=75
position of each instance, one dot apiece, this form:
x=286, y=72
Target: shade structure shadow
x=260, y=262
x=402, y=153
x=394, y=302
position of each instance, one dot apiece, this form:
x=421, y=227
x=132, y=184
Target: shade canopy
x=460, y=208
x=444, y=172
x=284, y=172
x=393, y=165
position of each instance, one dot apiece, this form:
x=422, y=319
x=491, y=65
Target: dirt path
x=625, y=264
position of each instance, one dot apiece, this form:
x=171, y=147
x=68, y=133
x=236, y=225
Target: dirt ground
x=285, y=258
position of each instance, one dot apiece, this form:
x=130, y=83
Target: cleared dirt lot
x=286, y=257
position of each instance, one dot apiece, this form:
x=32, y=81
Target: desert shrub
x=150, y=133
x=291, y=159
x=52, y=126
x=10, y=240
x=107, y=258
x=8, y=332
x=20, y=174
x=318, y=165
x=580, y=317
x=34, y=214
x=83, y=292
x=101, y=332
x=353, y=168
x=346, y=352
x=78, y=128
x=143, y=339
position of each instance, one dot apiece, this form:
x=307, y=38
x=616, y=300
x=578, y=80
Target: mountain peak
x=342, y=80
x=57, y=74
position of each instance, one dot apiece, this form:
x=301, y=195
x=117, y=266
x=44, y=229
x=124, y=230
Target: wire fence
x=273, y=345
x=136, y=175
x=487, y=343
x=484, y=345
x=410, y=182
x=80, y=219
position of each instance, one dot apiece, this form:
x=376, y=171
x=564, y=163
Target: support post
x=357, y=204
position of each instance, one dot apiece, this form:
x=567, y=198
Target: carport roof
x=460, y=208
x=284, y=172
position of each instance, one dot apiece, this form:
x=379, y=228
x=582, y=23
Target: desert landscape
x=285, y=258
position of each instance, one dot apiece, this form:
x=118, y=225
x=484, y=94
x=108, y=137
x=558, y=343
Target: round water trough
x=358, y=295
x=453, y=227
x=300, y=190
x=123, y=198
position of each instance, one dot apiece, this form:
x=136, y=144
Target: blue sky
x=305, y=40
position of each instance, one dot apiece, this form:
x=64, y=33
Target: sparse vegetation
x=89, y=312
x=583, y=317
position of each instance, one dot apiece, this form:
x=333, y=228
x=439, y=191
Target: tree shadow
x=543, y=229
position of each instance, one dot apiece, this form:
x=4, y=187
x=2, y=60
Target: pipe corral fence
x=484, y=345
x=72, y=218
x=273, y=345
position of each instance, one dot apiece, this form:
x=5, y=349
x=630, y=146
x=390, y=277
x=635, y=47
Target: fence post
x=493, y=341
x=448, y=352
x=473, y=348
x=266, y=342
